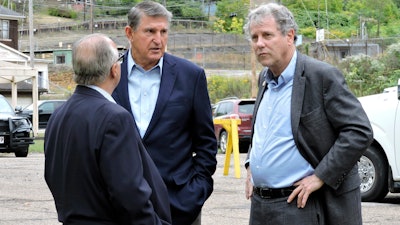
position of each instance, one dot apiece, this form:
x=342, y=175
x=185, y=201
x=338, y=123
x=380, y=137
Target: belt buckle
x=265, y=193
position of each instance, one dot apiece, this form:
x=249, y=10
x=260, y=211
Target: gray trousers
x=277, y=211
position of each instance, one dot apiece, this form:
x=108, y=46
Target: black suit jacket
x=97, y=168
x=331, y=131
x=180, y=137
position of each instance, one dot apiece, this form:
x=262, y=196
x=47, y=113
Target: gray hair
x=283, y=17
x=92, y=59
x=147, y=8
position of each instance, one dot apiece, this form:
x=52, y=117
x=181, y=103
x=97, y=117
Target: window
x=224, y=108
x=47, y=107
x=4, y=29
x=60, y=59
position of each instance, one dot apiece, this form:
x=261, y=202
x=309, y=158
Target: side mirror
x=18, y=108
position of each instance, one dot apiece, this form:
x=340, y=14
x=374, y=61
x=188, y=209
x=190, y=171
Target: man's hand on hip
x=304, y=188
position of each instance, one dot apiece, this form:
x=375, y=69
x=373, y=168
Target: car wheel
x=244, y=146
x=223, y=141
x=22, y=152
x=373, y=172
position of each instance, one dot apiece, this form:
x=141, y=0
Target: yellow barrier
x=231, y=127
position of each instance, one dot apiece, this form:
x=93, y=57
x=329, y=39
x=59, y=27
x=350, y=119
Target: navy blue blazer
x=180, y=137
x=97, y=168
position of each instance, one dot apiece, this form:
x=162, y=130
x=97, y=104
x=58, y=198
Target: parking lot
x=25, y=198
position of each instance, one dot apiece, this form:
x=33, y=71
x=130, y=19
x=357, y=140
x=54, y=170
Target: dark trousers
x=277, y=211
x=198, y=220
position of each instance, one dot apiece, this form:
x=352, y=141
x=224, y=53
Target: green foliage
x=343, y=18
x=233, y=13
x=117, y=3
x=181, y=9
x=308, y=32
x=333, y=5
x=390, y=29
x=366, y=75
x=361, y=73
x=38, y=146
x=219, y=26
x=237, y=25
x=220, y=87
x=392, y=57
x=62, y=13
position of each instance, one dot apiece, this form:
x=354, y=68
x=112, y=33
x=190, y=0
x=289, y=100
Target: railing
x=108, y=24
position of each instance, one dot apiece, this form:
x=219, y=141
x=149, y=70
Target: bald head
x=92, y=58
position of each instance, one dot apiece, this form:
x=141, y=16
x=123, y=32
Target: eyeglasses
x=120, y=59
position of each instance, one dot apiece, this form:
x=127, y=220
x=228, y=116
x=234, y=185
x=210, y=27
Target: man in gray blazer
x=309, y=131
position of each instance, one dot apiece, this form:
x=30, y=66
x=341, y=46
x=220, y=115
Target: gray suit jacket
x=331, y=131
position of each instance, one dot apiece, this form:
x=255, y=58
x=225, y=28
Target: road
x=25, y=198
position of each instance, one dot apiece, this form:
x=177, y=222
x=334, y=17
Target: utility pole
x=84, y=11
x=31, y=55
x=91, y=15
x=34, y=80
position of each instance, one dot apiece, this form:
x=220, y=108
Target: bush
x=367, y=75
x=220, y=87
x=62, y=13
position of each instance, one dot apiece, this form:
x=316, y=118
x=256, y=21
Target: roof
x=11, y=72
x=9, y=14
x=23, y=87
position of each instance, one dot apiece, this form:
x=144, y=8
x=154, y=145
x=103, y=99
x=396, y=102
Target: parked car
x=15, y=131
x=379, y=167
x=45, y=110
x=234, y=108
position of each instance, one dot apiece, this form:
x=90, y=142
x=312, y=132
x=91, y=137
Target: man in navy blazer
x=169, y=100
x=95, y=164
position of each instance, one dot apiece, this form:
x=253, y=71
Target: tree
x=333, y=6
x=227, y=10
x=373, y=13
x=182, y=9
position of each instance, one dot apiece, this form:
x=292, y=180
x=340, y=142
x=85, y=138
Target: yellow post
x=231, y=127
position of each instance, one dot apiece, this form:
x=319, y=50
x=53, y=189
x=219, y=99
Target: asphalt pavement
x=26, y=200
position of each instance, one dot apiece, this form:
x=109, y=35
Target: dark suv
x=15, y=131
x=234, y=108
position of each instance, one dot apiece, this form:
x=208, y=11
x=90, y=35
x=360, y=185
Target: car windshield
x=5, y=107
x=29, y=107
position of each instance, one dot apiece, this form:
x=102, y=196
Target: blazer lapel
x=262, y=86
x=168, y=78
x=298, y=90
x=121, y=94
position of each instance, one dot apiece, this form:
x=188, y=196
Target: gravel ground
x=25, y=198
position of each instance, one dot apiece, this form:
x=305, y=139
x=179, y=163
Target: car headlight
x=21, y=123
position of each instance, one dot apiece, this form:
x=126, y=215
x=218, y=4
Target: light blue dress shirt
x=143, y=88
x=275, y=161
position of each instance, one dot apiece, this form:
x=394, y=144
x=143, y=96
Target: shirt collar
x=286, y=75
x=102, y=92
x=131, y=63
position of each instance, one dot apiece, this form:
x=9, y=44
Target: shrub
x=62, y=13
x=220, y=87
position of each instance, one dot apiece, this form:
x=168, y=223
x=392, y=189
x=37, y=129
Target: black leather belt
x=273, y=192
